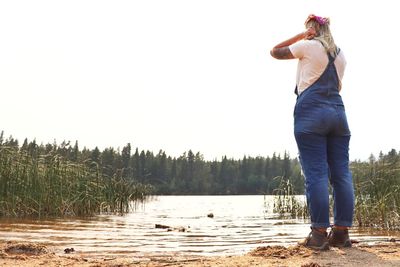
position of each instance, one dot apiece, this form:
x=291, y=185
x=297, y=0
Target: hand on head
x=310, y=33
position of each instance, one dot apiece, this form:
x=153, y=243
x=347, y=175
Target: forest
x=186, y=174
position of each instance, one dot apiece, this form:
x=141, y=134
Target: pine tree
x=75, y=152
x=95, y=155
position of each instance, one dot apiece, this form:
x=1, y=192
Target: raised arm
x=282, y=51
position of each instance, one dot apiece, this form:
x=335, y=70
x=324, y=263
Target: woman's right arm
x=282, y=51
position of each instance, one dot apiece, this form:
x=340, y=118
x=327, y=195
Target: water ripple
x=240, y=224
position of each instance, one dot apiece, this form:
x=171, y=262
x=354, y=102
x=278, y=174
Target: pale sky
x=179, y=75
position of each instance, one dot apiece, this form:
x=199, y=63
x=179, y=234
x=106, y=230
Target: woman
x=321, y=131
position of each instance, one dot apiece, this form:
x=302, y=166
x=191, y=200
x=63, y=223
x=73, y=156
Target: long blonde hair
x=323, y=35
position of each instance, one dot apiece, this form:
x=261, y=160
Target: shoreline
x=37, y=254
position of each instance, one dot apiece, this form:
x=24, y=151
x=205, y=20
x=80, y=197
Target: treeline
x=189, y=173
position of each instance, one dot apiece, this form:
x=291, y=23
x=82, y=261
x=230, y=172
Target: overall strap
x=330, y=62
x=331, y=58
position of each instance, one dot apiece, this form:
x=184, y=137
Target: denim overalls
x=322, y=135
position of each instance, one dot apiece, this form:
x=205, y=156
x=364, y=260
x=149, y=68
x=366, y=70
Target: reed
x=377, y=191
x=287, y=203
x=377, y=194
x=49, y=185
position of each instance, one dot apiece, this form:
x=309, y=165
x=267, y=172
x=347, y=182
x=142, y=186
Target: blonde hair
x=324, y=35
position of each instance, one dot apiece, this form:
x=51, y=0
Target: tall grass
x=377, y=194
x=377, y=188
x=49, y=185
x=286, y=201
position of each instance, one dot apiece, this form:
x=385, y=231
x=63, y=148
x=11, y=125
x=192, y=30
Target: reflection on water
x=240, y=223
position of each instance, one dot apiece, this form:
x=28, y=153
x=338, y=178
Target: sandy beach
x=34, y=254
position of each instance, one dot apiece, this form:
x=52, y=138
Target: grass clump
x=287, y=203
x=377, y=194
x=37, y=184
x=377, y=190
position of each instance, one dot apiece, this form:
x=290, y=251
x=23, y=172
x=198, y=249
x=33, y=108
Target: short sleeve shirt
x=313, y=60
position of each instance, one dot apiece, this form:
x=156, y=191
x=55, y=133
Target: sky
x=184, y=74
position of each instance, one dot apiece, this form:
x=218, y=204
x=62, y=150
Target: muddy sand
x=381, y=254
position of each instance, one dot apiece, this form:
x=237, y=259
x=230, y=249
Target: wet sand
x=35, y=254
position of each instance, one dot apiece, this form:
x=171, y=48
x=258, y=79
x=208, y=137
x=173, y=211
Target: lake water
x=240, y=223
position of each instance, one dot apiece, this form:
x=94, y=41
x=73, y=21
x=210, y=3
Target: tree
x=95, y=155
x=75, y=152
x=126, y=156
x=243, y=176
x=24, y=146
x=286, y=168
x=107, y=161
x=190, y=171
x=173, y=188
x=142, y=166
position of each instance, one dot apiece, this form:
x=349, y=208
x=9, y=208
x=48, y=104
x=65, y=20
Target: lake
x=240, y=223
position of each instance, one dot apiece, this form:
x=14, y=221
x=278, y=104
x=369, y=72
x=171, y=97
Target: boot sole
x=324, y=246
x=346, y=244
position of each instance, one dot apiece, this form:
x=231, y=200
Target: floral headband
x=320, y=20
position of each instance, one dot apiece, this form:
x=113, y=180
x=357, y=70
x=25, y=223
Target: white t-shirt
x=313, y=60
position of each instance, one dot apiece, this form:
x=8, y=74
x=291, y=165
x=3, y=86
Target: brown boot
x=316, y=240
x=339, y=238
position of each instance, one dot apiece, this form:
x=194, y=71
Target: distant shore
x=35, y=254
